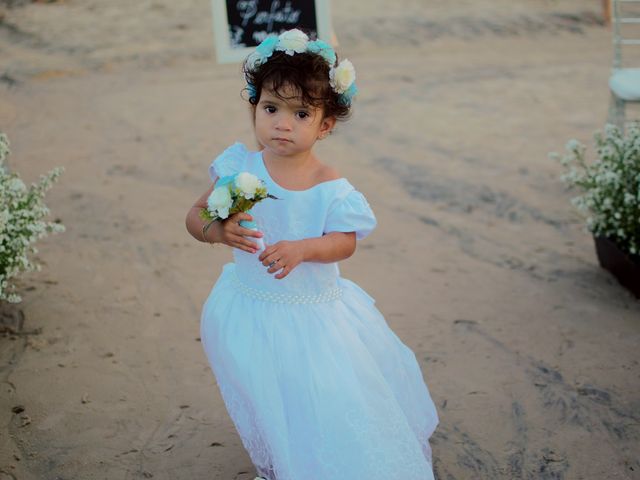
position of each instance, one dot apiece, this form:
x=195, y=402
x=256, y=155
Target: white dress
x=317, y=384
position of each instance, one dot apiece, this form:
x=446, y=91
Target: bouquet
x=610, y=186
x=233, y=194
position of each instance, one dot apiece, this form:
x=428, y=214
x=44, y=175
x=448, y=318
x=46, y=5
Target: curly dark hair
x=307, y=73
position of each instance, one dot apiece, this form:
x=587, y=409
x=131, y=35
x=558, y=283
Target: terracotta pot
x=624, y=266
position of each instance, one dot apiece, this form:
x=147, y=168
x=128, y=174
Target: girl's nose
x=283, y=123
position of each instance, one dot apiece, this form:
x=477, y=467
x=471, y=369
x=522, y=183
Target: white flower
x=292, y=41
x=219, y=202
x=248, y=184
x=342, y=76
x=573, y=144
x=16, y=185
x=22, y=211
x=629, y=199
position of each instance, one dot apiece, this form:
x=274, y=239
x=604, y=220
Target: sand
x=479, y=263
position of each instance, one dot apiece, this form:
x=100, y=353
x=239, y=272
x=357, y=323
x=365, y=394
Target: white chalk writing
x=277, y=13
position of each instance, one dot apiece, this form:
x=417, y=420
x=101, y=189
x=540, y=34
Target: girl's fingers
x=275, y=267
x=272, y=260
x=265, y=253
x=237, y=217
x=251, y=245
x=244, y=244
x=247, y=231
x=245, y=248
x=244, y=216
x=285, y=271
x=240, y=232
x=268, y=261
x=236, y=229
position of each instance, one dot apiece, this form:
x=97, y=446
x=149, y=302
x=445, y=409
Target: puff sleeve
x=351, y=213
x=228, y=162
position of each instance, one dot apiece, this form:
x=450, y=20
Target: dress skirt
x=319, y=388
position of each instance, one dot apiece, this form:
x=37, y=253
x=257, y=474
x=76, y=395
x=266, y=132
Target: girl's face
x=286, y=126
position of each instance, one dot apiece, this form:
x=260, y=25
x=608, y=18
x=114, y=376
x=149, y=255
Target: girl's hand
x=285, y=255
x=232, y=234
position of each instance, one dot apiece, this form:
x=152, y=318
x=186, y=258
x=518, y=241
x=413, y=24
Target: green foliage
x=22, y=210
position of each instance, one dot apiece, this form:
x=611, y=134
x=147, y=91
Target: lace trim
x=324, y=454
x=281, y=297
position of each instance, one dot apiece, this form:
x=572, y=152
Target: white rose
x=292, y=41
x=219, y=202
x=248, y=184
x=342, y=76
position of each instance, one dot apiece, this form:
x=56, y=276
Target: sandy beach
x=479, y=263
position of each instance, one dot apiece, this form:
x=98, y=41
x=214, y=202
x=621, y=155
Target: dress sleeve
x=228, y=162
x=351, y=213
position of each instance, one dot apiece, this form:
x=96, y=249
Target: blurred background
x=479, y=263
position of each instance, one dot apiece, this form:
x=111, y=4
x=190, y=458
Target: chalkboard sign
x=240, y=25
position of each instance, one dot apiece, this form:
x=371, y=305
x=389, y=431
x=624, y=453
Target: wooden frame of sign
x=240, y=25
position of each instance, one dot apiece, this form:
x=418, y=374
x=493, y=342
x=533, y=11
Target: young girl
x=317, y=384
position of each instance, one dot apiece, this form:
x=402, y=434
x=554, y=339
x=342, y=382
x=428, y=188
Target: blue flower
x=267, y=46
x=324, y=50
x=262, y=51
x=251, y=89
x=345, y=98
x=229, y=179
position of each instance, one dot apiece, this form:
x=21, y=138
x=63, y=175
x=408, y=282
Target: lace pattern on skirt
x=405, y=460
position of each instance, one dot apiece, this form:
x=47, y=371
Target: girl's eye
x=270, y=109
x=303, y=115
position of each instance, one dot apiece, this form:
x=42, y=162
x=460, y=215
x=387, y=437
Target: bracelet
x=205, y=227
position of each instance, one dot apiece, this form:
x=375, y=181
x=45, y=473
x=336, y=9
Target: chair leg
x=616, y=111
x=606, y=11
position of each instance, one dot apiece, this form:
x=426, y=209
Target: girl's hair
x=307, y=73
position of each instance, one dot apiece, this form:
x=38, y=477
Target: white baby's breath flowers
x=342, y=76
x=16, y=185
x=219, y=202
x=292, y=41
x=610, y=186
x=574, y=145
x=248, y=184
x=22, y=210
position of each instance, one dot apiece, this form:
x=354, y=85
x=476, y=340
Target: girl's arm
x=194, y=223
x=331, y=247
x=286, y=255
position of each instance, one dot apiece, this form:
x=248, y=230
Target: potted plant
x=610, y=198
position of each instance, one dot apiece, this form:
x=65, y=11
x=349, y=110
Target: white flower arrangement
x=292, y=41
x=610, y=186
x=248, y=184
x=233, y=194
x=342, y=76
x=22, y=210
x=219, y=202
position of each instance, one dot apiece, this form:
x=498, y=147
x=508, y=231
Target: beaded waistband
x=281, y=297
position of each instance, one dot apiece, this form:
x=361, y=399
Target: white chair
x=624, y=82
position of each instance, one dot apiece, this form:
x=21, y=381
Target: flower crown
x=341, y=77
